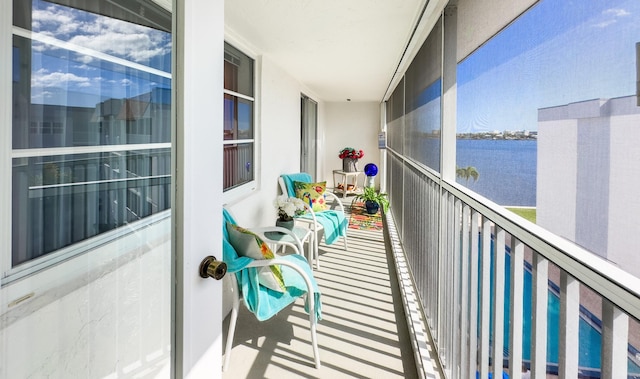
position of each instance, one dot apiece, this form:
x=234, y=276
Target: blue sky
x=559, y=52
x=74, y=77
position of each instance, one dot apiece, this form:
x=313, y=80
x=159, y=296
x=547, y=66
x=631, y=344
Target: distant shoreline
x=508, y=135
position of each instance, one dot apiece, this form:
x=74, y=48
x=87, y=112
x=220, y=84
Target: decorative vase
x=349, y=165
x=287, y=224
x=372, y=207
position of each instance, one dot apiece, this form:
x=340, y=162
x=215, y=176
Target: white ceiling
x=339, y=49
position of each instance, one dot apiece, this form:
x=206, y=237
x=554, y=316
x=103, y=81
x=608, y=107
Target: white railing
x=456, y=243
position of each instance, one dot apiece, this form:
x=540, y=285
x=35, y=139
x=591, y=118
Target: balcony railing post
x=540, y=295
x=485, y=298
x=498, y=304
x=569, y=327
x=457, y=256
x=473, y=293
x=517, y=308
x=465, y=297
x=615, y=331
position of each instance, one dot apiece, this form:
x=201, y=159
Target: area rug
x=361, y=220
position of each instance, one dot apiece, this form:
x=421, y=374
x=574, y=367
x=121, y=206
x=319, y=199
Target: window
x=91, y=130
x=238, y=118
x=413, y=111
x=423, y=95
x=548, y=119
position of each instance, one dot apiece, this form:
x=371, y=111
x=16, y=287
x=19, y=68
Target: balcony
x=567, y=312
x=363, y=332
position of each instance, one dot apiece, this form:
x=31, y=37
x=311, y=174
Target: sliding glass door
x=86, y=259
x=309, y=135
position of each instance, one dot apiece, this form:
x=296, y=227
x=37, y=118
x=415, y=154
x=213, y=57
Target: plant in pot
x=373, y=200
x=350, y=157
x=288, y=208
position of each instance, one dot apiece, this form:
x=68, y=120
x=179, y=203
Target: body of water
x=507, y=169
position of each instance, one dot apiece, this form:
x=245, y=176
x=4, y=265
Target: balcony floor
x=363, y=333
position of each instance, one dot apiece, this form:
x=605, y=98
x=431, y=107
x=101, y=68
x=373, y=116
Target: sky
x=105, y=58
x=557, y=53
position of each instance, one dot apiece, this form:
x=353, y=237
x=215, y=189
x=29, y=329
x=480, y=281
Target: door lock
x=210, y=267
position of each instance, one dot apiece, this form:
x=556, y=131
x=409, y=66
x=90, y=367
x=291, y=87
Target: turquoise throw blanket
x=261, y=301
x=333, y=222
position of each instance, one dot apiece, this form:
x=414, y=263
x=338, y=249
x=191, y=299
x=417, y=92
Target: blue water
x=507, y=169
x=589, y=333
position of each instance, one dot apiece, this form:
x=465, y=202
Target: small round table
x=303, y=234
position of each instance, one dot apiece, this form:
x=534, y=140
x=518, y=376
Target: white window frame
x=36, y=266
x=242, y=191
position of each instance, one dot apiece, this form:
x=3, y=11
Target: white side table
x=348, y=178
x=304, y=234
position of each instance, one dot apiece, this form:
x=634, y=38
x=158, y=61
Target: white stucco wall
x=624, y=198
x=556, y=180
x=352, y=124
x=588, y=176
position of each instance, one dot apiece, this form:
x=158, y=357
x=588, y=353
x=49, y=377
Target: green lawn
x=527, y=213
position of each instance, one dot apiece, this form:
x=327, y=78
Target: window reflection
x=238, y=118
x=88, y=75
x=61, y=200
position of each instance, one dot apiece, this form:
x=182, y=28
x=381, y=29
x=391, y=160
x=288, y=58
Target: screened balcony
x=488, y=291
x=406, y=301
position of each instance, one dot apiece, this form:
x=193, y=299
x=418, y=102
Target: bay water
x=507, y=169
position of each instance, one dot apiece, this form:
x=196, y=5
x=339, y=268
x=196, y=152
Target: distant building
x=589, y=176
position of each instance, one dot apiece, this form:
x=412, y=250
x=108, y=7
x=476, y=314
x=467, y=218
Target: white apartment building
x=589, y=176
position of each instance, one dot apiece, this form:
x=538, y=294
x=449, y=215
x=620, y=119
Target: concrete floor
x=363, y=333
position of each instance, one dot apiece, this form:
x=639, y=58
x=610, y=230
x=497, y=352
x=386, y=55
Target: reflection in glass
x=423, y=89
x=88, y=79
x=238, y=71
x=238, y=164
x=238, y=118
x=61, y=105
x=61, y=200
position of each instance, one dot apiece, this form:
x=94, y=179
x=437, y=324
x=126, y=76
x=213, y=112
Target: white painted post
x=615, y=337
x=473, y=293
x=568, y=346
x=540, y=296
x=465, y=295
x=485, y=299
x=516, y=298
x=498, y=304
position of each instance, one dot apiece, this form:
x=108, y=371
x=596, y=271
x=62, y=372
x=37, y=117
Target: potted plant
x=350, y=157
x=373, y=200
x=288, y=208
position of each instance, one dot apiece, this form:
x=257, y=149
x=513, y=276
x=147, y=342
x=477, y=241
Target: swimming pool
x=589, y=328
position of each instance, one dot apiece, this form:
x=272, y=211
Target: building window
x=91, y=128
x=239, y=137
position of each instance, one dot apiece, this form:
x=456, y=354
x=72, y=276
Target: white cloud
x=604, y=24
x=43, y=79
x=103, y=34
x=616, y=12
x=611, y=16
x=126, y=82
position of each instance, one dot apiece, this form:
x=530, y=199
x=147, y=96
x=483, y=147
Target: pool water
x=589, y=328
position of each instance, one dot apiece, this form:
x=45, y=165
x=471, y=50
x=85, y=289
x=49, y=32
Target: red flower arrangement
x=350, y=152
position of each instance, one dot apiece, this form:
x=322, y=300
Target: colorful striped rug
x=361, y=220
